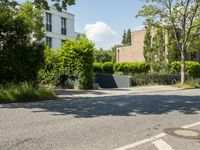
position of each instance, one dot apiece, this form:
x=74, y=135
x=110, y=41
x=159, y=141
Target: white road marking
x=162, y=145
x=152, y=138
x=191, y=125
x=142, y=142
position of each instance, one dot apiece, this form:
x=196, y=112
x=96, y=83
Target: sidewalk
x=63, y=93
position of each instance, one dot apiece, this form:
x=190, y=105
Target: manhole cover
x=183, y=133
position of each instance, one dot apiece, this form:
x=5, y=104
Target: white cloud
x=101, y=34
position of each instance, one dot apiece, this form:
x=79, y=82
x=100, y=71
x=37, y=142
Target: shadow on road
x=115, y=105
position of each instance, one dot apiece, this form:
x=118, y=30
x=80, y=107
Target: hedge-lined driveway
x=103, y=122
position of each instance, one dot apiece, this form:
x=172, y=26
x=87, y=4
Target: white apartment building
x=59, y=26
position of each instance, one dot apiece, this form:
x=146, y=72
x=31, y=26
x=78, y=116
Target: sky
x=104, y=21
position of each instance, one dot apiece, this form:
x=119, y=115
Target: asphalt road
x=101, y=123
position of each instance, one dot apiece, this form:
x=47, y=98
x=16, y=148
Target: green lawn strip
x=24, y=93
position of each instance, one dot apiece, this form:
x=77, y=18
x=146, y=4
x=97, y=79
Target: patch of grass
x=24, y=93
x=192, y=84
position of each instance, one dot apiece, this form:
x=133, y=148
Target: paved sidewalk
x=69, y=93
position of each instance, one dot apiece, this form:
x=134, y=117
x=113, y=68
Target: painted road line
x=142, y=142
x=152, y=138
x=191, y=125
x=162, y=145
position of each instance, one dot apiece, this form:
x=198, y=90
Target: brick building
x=135, y=52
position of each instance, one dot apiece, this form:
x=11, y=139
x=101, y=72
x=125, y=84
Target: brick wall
x=133, y=53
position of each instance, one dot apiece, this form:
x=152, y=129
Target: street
x=133, y=121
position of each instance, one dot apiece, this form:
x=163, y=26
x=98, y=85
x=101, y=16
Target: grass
x=24, y=93
x=192, y=84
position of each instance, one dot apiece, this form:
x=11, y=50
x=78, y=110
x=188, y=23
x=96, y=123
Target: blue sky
x=105, y=20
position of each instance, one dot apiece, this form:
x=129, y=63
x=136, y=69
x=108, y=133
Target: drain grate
x=183, y=133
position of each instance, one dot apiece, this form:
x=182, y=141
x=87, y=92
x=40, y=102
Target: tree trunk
x=183, y=68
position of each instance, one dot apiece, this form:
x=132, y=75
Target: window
x=63, y=26
x=48, y=22
x=49, y=42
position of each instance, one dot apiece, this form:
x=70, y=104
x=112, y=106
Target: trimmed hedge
x=107, y=67
x=151, y=79
x=97, y=68
x=124, y=68
x=192, y=68
x=132, y=68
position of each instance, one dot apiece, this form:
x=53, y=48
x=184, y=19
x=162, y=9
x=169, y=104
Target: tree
x=178, y=16
x=124, y=39
x=102, y=56
x=59, y=4
x=128, y=38
x=147, y=44
x=154, y=48
x=20, y=56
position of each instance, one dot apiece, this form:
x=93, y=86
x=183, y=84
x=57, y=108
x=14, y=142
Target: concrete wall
x=56, y=35
x=133, y=53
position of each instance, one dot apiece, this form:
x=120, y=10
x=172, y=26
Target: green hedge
x=151, y=79
x=132, y=68
x=124, y=68
x=97, y=67
x=192, y=68
x=107, y=67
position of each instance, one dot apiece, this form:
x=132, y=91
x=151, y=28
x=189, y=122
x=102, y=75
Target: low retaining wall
x=113, y=81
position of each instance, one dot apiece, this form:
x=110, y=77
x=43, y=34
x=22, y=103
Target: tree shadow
x=94, y=92
x=115, y=105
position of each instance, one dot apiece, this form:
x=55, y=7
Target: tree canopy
x=179, y=16
x=59, y=4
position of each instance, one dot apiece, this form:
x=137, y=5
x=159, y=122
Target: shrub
x=49, y=73
x=192, y=68
x=76, y=61
x=151, y=79
x=107, y=67
x=24, y=92
x=97, y=67
x=132, y=68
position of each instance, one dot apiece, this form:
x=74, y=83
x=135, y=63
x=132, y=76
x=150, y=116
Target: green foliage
x=97, y=68
x=154, y=49
x=24, y=92
x=155, y=79
x=20, y=56
x=173, y=52
x=128, y=38
x=102, y=56
x=192, y=68
x=59, y=4
x=124, y=38
x=107, y=67
x=49, y=72
x=132, y=68
x=76, y=61
x=190, y=84
x=147, y=45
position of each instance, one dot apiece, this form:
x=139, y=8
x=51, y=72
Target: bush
x=192, y=68
x=132, y=68
x=24, y=93
x=97, y=67
x=107, y=67
x=76, y=61
x=151, y=79
x=49, y=73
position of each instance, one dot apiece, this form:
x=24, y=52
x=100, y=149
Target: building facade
x=133, y=53
x=59, y=26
